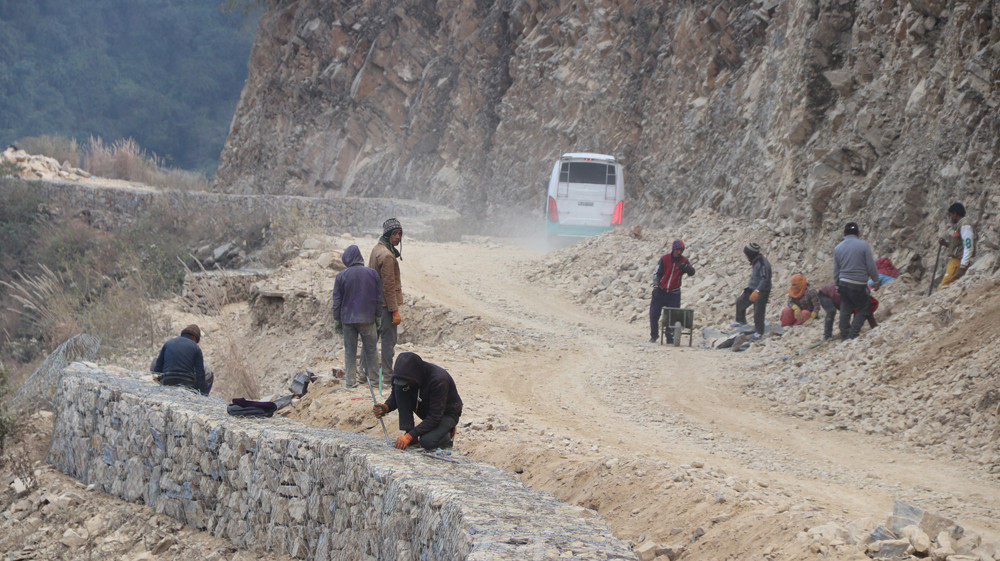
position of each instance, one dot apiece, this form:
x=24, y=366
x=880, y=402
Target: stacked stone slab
x=206, y=292
x=275, y=485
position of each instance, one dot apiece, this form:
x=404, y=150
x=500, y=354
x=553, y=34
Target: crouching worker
x=180, y=362
x=429, y=391
x=803, y=303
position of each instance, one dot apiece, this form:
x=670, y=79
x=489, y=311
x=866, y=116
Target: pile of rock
x=909, y=532
x=925, y=376
x=903, y=378
x=207, y=292
x=41, y=167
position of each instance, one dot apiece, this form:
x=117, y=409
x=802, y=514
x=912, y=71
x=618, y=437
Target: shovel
x=375, y=401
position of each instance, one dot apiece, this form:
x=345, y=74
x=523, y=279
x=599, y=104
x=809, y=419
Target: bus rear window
x=587, y=172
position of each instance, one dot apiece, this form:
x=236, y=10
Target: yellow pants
x=949, y=271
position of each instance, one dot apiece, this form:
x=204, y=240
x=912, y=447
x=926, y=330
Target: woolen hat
x=677, y=245
x=390, y=226
x=752, y=250
x=798, y=287
x=851, y=229
x=194, y=331
x=957, y=208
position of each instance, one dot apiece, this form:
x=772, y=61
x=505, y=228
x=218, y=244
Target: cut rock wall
x=112, y=208
x=310, y=492
x=807, y=114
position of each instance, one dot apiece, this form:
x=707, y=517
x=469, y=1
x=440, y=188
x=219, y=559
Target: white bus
x=586, y=195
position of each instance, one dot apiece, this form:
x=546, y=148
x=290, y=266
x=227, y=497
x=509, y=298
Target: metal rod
x=375, y=401
x=934, y=274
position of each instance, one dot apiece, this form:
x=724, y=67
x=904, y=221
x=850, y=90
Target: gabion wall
x=112, y=208
x=310, y=492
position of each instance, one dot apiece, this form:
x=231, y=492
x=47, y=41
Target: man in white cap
x=385, y=259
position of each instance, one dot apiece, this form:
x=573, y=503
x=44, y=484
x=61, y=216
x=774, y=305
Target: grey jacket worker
x=853, y=265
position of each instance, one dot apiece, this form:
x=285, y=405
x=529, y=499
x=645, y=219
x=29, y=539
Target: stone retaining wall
x=114, y=207
x=310, y=492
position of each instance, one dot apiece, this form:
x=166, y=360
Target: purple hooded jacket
x=357, y=290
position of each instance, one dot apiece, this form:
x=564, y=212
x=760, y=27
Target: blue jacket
x=357, y=290
x=182, y=364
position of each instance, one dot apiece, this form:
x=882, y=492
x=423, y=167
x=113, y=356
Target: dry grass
x=19, y=460
x=45, y=304
x=239, y=377
x=121, y=159
x=122, y=315
x=63, y=149
x=125, y=159
x=235, y=375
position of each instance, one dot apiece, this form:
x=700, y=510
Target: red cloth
x=788, y=317
x=885, y=267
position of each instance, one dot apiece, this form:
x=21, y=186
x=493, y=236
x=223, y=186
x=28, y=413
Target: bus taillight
x=553, y=213
x=616, y=218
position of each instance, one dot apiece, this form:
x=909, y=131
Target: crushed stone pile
x=926, y=373
x=41, y=167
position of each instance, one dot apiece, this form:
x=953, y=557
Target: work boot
x=653, y=339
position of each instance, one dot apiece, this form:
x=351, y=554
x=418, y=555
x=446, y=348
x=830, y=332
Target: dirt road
x=661, y=439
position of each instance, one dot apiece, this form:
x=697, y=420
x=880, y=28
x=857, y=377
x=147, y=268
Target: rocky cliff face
x=803, y=113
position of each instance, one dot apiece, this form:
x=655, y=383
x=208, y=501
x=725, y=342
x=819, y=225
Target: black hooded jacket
x=438, y=395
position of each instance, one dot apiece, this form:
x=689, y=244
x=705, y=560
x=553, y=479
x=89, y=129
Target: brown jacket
x=383, y=261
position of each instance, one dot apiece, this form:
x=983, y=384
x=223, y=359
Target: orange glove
x=404, y=441
x=395, y=318
x=754, y=295
x=380, y=409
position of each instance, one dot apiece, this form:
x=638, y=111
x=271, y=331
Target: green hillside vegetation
x=166, y=74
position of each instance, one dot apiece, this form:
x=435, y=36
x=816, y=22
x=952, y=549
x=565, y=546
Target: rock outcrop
x=806, y=114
